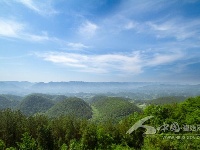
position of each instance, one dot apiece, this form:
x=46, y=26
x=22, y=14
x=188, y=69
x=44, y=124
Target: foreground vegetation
x=33, y=132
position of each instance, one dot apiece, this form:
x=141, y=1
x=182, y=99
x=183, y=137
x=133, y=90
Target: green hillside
x=34, y=103
x=162, y=100
x=12, y=97
x=5, y=102
x=58, y=98
x=167, y=100
x=184, y=113
x=176, y=127
x=71, y=106
x=114, y=108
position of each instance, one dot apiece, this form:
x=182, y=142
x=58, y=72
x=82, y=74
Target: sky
x=100, y=40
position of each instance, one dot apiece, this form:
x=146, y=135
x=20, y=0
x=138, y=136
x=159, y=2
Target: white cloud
x=30, y=4
x=181, y=29
x=135, y=8
x=9, y=28
x=88, y=29
x=132, y=63
x=169, y=26
x=37, y=37
x=14, y=29
x=76, y=46
x=160, y=59
x=95, y=63
x=42, y=8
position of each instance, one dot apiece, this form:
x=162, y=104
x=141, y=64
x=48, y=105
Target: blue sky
x=100, y=40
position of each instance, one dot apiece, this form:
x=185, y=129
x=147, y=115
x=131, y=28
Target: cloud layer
x=133, y=38
x=13, y=29
x=133, y=63
x=42, y=8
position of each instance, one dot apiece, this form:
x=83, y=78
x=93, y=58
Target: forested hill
x=71, y=106
x=167, y=100
x=9, y=101
x=69, y=132
x=12, y=97
x=162, y=100
x=99, y=108
x=34, y=103
x=114, y=108
x=58, y=98
x=103, y=107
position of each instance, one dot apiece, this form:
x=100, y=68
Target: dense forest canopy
x=115, y=108
x=71, y=106
x=39, y=130
x=33, y=104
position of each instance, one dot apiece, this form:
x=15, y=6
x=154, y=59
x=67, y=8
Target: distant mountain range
x=130, y=89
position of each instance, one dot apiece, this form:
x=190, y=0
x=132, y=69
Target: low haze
x=101, y=40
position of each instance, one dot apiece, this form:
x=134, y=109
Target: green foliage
x=105, y=139
x=45, y=138
x=34, y=103
x=71, y=106
x=2, y=145
x=59, y=98
x=38, y=132
x=166, y=100
x=64, y=147
x=114, y=108
x=75, y=145
x=191, y=110
x=5, y=102
x=185, y=113
x=11, y=148
x=11, y=126
x=121, y=147
x=28, y=143
x=12, y=97
x=89, y=137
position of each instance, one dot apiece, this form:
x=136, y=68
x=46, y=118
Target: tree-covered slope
x=58, y=98
x=12, y=97
x=167, y=100
x=39, y=132
x=71, y=106
x=34, y=103
x=114, y=108
x=180, y=121
x=6, y=102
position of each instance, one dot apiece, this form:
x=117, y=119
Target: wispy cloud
x=33, y=37
x=135, y=8
x=160, y=59
x=76, y=46
x=9, y=28
x=132, y=63
x=130, y=25
x=95, y=63
x=14, y=29
x=178, y=28
x=42, y=8
x=88, y=29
